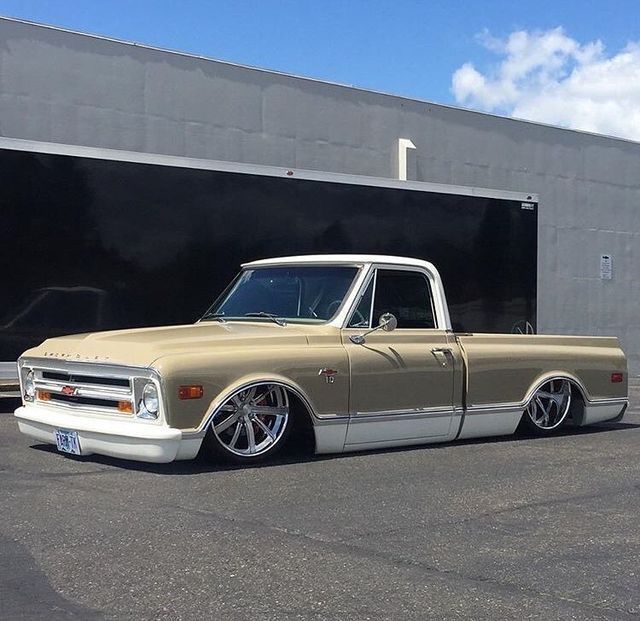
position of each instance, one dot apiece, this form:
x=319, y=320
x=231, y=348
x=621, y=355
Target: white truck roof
x=439, y=298
x=343, y=258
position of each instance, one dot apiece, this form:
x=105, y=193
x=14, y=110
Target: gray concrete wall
x=57, y=86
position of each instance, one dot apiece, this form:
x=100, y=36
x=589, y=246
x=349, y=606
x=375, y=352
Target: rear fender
x=555, y=375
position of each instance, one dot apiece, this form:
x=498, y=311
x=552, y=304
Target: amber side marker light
x=125, y=406
x=44, y=396
x=190, y=392
x=616, y=378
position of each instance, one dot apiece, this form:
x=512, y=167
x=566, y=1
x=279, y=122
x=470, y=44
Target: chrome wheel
x=252, y=421
x=550, y=404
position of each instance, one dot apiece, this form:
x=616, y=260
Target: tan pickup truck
x=355, y=352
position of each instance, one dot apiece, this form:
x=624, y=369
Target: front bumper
x=125, y=439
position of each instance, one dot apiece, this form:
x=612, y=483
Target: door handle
x=441, y=351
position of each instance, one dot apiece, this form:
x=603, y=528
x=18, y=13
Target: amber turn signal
x=125, y=406
x=44, y=396
x=616, y=378
x=190, y=392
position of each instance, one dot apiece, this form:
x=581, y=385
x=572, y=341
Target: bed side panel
x=504, y=368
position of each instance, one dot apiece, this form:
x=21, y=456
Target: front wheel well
x=302, y=440
x=258, y=420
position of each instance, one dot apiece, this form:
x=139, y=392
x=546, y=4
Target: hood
x=143, y=346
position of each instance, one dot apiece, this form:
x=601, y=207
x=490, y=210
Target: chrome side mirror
x=388, y=322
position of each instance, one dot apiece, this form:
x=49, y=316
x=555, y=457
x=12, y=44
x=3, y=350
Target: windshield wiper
x=218, y=316
x=274, y=318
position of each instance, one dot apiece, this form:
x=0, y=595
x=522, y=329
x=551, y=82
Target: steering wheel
x=332, y=307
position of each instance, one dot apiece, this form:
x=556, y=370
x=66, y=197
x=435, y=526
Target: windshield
x=302, y=294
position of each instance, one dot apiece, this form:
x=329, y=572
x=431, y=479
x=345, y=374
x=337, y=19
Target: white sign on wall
x=403, y=145
x=606, y=267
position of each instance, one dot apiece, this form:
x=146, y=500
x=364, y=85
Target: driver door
x=401, y=381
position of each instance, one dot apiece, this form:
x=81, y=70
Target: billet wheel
x=251, y=425
x=548, y=407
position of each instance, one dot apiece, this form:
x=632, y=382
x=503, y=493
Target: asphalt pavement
x=513, y=528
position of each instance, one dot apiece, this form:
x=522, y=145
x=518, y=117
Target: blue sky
x=406, y=47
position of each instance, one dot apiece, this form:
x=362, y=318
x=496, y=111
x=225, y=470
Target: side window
x=407, y=295
x=361, y=317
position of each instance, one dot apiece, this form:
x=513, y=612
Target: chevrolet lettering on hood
x=74, y=356
x=340, y=352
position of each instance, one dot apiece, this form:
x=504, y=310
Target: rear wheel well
x=556, y=401
x=577, y=408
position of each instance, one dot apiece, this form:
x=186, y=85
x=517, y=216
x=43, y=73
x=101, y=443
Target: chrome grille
x=83, y=388
x=89, y=379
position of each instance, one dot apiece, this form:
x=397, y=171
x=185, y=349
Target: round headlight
x=150, y=399
x=29, y=386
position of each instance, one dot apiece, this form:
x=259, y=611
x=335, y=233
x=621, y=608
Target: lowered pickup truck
x=355, y=352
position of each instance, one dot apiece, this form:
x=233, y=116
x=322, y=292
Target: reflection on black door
x=94, y=244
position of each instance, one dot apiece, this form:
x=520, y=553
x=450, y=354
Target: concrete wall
x=57, y=86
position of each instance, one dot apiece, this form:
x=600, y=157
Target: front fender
x=227, y=371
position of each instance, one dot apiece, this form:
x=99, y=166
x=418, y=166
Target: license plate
x=67, y=441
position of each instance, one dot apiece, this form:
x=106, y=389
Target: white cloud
x=552, y=78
